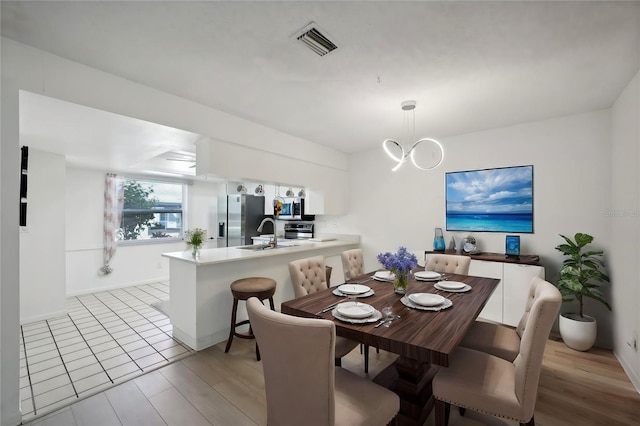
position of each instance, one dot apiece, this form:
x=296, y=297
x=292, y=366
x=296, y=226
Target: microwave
x=292, y=209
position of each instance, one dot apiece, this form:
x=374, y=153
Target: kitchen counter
x=234, y=254
x=201, y=301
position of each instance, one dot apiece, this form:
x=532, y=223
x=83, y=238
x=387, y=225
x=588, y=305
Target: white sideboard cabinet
x=493, y=310
x=508, y=301
x=516, y=278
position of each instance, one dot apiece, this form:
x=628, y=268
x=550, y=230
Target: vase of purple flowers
x=399, y=263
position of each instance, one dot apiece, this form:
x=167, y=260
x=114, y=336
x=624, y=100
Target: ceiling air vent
x=315, y=39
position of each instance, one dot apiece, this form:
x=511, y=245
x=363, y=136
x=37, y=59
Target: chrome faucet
x=274, y=244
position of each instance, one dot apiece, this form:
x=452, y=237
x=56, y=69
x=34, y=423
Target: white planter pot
x=578, y=335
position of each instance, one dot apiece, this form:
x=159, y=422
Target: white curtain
x=113, y=201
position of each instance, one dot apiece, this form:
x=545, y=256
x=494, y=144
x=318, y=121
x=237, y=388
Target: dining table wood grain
x=424, y=340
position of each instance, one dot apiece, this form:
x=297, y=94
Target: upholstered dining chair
x=449, y=264
x=352, y=263
x=308, y=276
x=303, y=387
x=501, y=340
x=492, y=385
x=353, y=266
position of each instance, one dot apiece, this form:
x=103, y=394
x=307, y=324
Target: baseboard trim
x=116, y=286
x=631, y=373
x=43, y=317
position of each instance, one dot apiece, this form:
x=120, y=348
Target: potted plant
x=580, y=276
x=195, y=239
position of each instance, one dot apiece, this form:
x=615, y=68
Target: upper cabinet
x=269, y=195
x=314, y=202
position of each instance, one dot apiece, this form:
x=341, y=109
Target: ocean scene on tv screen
x=492, y=200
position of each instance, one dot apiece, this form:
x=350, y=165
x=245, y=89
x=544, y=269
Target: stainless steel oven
x=298, y=230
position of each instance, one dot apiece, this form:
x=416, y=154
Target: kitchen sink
x=262, y=247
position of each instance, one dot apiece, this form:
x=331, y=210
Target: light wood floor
x=214, y=388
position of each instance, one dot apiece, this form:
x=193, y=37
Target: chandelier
x=425, y=154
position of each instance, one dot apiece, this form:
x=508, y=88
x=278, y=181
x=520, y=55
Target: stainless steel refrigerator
x=238, y=219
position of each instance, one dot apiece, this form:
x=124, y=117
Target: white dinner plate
x=426, y=299
x=338, y=293
x=375, y=317
x=428, y=275
x=353, y=288
x=408, y=303
x=451, y=285
x=384, y=276
x=355, y=310
x=462, y=290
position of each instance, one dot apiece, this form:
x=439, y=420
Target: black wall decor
x=24, y=164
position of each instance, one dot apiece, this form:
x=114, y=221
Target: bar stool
x=242, y=289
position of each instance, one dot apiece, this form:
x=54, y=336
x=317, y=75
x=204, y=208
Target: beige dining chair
x=492, y=385
x=501, y=340
x=449, y=264
x=308, y=276
x=353, y=266
x=303, y=387
x=352, y=263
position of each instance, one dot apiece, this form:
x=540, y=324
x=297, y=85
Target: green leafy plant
x=581, y=272
x=137, y=199
x=195, y=237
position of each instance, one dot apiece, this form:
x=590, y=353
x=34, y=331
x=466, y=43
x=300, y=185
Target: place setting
x=353, y=290
x=386, y=276
x=428, y=276
x=355, y=312
x=426, y=301
x=452, y=286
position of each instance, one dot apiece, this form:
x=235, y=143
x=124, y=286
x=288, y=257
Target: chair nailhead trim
x=477, y=410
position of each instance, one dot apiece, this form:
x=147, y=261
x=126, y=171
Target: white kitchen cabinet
x=516, y=278
x=269, y=195
x=493, y=310
x=314, y=202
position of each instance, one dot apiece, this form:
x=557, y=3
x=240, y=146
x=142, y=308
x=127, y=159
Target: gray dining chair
x=492, y=385
x=308, y=276
x=449, y=264
x=303, y=387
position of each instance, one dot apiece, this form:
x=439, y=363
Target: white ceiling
x=469, y=65
x=98, y=139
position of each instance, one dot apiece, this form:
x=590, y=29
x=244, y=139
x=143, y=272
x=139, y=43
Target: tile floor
x=106, y=338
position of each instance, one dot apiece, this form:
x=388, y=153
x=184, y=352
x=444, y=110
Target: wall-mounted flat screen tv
x=490, y=200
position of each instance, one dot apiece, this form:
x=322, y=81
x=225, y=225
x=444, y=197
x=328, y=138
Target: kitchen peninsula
x=200, y=298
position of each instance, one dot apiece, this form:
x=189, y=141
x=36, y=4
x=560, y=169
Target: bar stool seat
x=243, y=289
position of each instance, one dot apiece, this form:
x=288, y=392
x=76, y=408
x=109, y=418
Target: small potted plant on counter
x=580, y=276
x=195, y=239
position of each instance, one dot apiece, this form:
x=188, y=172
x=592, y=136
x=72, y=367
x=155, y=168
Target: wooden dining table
x=423, y=339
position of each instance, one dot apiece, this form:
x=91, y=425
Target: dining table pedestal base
x=411, y=381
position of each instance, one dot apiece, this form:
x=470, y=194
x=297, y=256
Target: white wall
x=132, y=264
x=570, y=156
x=12, y=79
x=223, y=159
x=42, y=241
x=625, y=226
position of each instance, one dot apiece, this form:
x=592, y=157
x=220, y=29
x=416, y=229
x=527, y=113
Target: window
x=151, y=211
